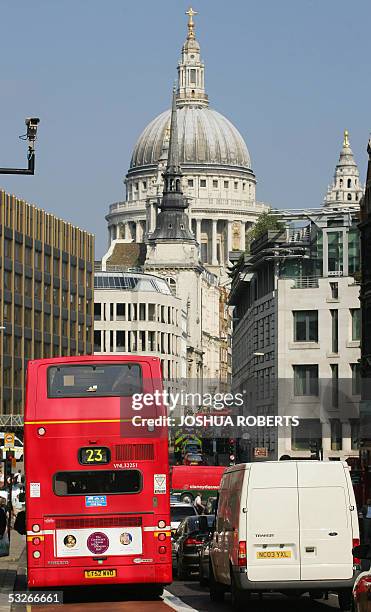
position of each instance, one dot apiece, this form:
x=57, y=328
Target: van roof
x=247, y=466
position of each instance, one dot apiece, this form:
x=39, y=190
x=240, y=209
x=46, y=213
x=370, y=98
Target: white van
x=286, y=526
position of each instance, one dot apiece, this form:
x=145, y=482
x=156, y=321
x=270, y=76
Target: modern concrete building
x=138, y=313
x=46, y=295
x=218, y=181
x=297, y=332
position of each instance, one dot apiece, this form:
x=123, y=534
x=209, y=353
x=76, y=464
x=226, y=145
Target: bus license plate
x=274, y=554
x=103, y=573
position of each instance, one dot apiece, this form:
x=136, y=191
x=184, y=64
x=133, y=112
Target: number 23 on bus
x=97, y=487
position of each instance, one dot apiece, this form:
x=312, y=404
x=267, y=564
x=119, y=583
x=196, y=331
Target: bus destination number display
x=93, y=455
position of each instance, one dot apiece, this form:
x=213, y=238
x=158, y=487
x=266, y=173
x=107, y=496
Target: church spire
x=191, y=70
x=346, y=189
x=173, y=222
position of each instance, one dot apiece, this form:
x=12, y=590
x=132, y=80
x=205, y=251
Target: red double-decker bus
x=98, y=507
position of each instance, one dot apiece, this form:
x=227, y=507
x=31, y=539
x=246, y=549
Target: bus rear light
x=41, y=431
x=162, y=550
x=36, y=554
x=36, y=528
x=36, y=541
x=242, y=556
x=161, y=524
x=162, y=537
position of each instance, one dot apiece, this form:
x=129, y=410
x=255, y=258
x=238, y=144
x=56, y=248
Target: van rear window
x=104, y=380
x=99, y=482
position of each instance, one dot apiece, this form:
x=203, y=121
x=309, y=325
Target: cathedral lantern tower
x=346, y=189
x=191, y=70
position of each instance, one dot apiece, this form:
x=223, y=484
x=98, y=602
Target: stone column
x=137, y=231
x=326, y=439
x=229, y=238
x=346, y=437
x=198, y=230
x=126, y=231
x=242, y=236
x=214, y=261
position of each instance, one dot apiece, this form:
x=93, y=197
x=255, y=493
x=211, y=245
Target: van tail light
x=362, y=586
x=242, y=556
x=192, y=541
x=356, y=542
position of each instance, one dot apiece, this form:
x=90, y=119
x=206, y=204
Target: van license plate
x=274, y=554
x=104, y=573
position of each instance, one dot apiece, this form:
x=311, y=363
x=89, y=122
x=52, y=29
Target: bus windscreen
x=101, y=380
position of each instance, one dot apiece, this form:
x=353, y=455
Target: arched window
x=349, y=184
x=349, y=196
x=341, y=183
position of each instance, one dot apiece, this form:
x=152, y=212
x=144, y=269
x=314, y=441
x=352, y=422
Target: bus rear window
x=104, y=380
x=100, y=482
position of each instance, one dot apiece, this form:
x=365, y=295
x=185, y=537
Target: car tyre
x=216, y=589
x=238, y=596
x=345, y=600
x=181, y=573
x=202, y=579
x=187, y=498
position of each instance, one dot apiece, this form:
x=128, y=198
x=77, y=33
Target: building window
x=335, y=385
x=335, y=252
x=307, y=432
x=215, y=184
x=47, y=263
x=355, y=313
x=120, y=341
x=120, y=312
x=349, y=183
x=97, y=311
x=334, y=331
x=97, y=341
x=349, y=197
x=190, y=182
x=172, y=284
x=305, y=380
x=305, y=325
x=236, y=184
x=144, y=185
x=334, y=290
x=226, y=184
x=336, y=435
x=356, y=378
x=202, y=182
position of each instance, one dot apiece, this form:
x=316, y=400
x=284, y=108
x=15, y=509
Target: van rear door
x=273, y=551
x=325, y=522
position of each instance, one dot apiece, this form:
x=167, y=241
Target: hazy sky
x=291, y=75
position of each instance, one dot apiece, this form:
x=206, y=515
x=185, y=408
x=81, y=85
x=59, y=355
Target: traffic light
x=9, y=463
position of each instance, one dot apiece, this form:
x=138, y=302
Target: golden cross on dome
x=191, y=13
x=346, y=139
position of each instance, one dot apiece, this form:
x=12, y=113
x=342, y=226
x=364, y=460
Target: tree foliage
x=266, y=222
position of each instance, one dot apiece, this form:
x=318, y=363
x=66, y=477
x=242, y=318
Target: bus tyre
x=345, y=600
x=154, y=591
x=187, y=498
x=216, y=589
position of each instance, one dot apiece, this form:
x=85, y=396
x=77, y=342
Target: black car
x=204, y=561
x=187, y=541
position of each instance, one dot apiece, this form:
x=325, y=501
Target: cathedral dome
x=205, y=138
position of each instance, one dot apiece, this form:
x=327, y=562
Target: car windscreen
x=179, y=513
x=194, y=522
x=99, y=380
x=99, y=482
